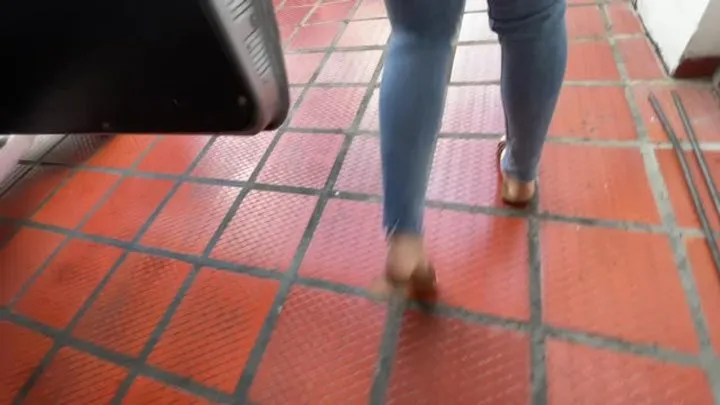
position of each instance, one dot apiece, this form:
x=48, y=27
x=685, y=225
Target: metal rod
x=690, y=182
x=704, y=169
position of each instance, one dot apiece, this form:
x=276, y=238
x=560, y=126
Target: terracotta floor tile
x=365, y=33
x=482, y=262
x=579, y=375
x=474, y=109
x=370, y=9
x=214, y=329
x=302, y=160
x=26, y=196
x=145, y=391
x=300, y=3
x=301, y=67
x=585, y=22
x=591, y=61
x=615, y=283
x=76, y=378
x=121, y=151
x=476, y=63
x=295, y=95
x=360, y=172
x=439, y=360
x=465, y=171
x=286, y=34
x=234, y=157
x=129, y=307
x=22, y=256
x=266, y=230
x=326, y=346
x=328, y=108
x=680, y=193
x=297, y=368
x=191, y=218
x=593, y=113
x=623, y=19
x=21, y=352
x=708, y=284
x=173, y=154
x=612, y=184
x=71, y=203
x=350, y=67
x=702, y=106
x=348, y=245
x=317, y=36
x=371, y=117
x=476, y=27
x=67, y=282
x=641, y=61
x=292, y=16
x=333, y=12
x=128, y=208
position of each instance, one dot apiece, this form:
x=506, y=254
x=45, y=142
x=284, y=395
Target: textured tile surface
x=214, y=329
x=93, y=381
x=67, y=282
x=616, y=284
x=270, y=303
x=582, y=375
x=324, y=350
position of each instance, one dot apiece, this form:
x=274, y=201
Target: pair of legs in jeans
x=412, y=96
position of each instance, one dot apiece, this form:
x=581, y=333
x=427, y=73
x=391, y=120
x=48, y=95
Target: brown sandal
x=513, y=192
x=422, y=283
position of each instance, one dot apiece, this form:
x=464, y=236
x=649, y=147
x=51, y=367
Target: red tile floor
x=207, y=269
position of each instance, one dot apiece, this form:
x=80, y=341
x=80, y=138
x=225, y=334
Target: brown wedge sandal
x=514, y=193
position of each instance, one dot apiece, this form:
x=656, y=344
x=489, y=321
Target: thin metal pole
x=707, y=175
x=690, y=182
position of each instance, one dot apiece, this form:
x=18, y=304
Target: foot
x=407, y=268
x=514, y=192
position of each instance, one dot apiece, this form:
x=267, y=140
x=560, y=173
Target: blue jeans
x=412, y=94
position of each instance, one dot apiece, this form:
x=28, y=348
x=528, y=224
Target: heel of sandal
x=513, y=192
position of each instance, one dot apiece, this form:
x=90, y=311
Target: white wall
x=672, y=24
x=706, y=41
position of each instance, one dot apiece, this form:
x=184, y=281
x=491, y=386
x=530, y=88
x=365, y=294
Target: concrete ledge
x=686, y=33
x=697, y=67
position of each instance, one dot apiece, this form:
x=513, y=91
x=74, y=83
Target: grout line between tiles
x=391, y=328
x=397, y=309
x=343, y=195
x=712, y=146
x=538, y=371
x=128, y=362
x=57, y=344
x=667, y=213
x=599, y=341
x=242, y=389
x=387, y=351
x=86, y=217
